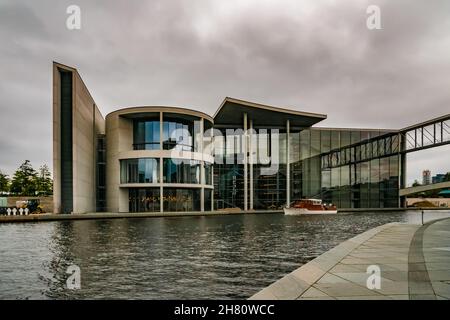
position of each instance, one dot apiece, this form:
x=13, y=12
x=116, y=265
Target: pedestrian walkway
x=413, y=260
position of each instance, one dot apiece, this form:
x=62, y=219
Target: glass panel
x=208, y=173
x=355, y=137
x=145, y=170
x=181, y=199
x=315, y=142
x=345, y=138
x=208, y=195
x=374, y=183
x=345, y=187
x=305, y=144
x=325, y=141
x=181, y=171
x=146, y=134
x=144, y=200
x=365, y=180
x=335, y=140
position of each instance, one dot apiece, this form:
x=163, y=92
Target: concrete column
x=161, y=162
x=212, y=173
x=251, y=148
x=402, y=171
x=245, y=151
x=202, y=167
x=288, y=171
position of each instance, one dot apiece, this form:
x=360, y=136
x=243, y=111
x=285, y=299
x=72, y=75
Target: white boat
x=309, y=206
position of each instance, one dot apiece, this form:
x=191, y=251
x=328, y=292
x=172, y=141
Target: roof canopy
x=231, y=113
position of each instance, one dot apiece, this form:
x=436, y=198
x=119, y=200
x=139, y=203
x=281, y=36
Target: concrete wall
x=119, y=138
x=87, y=124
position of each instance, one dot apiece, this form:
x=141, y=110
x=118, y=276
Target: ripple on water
x=222, y=257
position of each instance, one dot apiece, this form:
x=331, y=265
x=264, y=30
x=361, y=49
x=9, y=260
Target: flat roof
x=231, y=112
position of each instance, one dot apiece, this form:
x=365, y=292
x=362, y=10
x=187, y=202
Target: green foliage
x=44, y=181
x=447, y=176
x=4, y=183
x=24, y=180
x=416, y=183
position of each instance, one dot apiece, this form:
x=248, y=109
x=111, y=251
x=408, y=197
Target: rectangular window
x=181, y=171
x=145, y=170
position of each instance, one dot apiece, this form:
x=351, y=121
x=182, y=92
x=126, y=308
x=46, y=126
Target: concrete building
x=247, y=156
x=426, y=177
x=78, y=126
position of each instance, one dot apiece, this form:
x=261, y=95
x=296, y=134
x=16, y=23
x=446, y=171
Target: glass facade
x=178, y=199
x=146, y=133
x=144, y=200
x=181, y=171
x=339, y=167
x=349, y=168
x=144, y=170
x=179, y=133
x=208, y=173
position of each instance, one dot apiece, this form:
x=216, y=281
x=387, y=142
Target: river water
x=221, y=257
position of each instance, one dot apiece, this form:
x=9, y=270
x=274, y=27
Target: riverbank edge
x=109, y=215
x=294, y=284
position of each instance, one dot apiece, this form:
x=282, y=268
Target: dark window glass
x=181, y=171
x=146, y=134
x=178, y=133
x=145, y=170
x=181, y=199
x=208, y=195
x=208, y=173
x=144, y=200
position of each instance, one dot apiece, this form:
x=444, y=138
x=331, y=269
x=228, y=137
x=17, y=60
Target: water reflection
x=166, y=258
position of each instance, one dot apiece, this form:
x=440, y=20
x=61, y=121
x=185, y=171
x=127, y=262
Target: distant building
x=438, y=178
x=426, y=177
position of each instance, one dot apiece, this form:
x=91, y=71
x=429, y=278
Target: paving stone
x=313, y=293
x=441, y=288
x=341, y=273
x=344, y=289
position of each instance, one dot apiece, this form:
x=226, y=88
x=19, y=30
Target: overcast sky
x=315, y=56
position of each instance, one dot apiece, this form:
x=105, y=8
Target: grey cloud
x=313, y=55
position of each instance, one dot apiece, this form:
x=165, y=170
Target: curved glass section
x=208, y=173
x=178, y=132
x=145, y=170
x=144, y=200
x=146, y=134
x=176, y=199
x=181, y=171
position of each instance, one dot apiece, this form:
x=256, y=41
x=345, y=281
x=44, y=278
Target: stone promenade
x=414, y=263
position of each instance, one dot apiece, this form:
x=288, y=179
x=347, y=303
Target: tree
x=416, y=183
x=44, y=182
x=4, y=183
x=447, y=176
x=24, y=180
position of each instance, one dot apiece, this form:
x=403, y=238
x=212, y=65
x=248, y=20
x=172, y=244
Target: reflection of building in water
x=247, y=156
